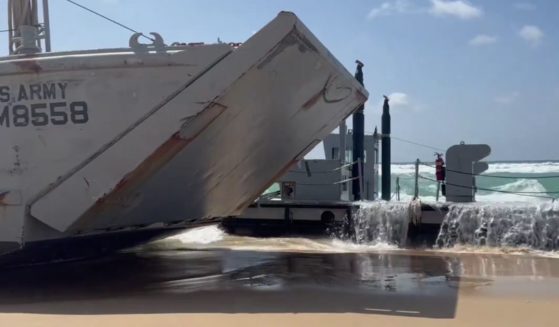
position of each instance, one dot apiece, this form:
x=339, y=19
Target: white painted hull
x=175, y=138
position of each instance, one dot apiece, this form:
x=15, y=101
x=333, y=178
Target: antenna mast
x=26, y=34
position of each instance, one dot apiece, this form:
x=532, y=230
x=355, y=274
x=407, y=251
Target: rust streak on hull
x=161, y=156
x=313, y=100
x=29, y=66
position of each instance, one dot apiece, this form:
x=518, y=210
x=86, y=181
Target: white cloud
x=531, y=34
x=399, y=99
x=400, y=102
x=507, y=98
x=482, y=39
x=390, y=8
x=455, y=8
x=458, y=8
x=524, y=6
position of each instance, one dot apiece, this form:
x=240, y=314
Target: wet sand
x=245, y=288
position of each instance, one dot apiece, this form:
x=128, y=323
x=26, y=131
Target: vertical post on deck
x=46, y=25
x=358, y=140
x=376, y=140
x=342, y=154
x=386, y=174
x=416, y=191
x=398, y=188
x=342, y=151
x=361, y=182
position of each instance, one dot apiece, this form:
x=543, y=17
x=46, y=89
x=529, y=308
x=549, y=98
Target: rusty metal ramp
x=211, y=146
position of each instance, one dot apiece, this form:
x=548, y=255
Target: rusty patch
x=151, y=165
x=323, y=92
x=148, y=167
x=28, y=66
x=313, y=100
x=162, y=155
x=292, y=38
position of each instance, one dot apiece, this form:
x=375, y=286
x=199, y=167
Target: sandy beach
x=472, y=311
x=246, y=288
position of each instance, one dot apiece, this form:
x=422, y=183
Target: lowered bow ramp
x=214, y=145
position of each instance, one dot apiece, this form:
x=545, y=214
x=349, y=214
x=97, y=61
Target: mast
x=46, y=25
x=26, y=33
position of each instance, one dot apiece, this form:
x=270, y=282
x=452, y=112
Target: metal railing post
x=416, y=193
x=398, y=188
x=360, y=172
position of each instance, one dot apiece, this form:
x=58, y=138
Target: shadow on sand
x=236, y=282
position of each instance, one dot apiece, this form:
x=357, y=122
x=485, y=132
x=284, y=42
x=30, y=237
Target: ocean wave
x=524, y=168
x=526, y=189
x=523, y=188
x=494, y=168
x=522, y=185
x=409, y=169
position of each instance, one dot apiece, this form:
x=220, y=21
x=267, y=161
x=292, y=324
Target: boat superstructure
x=156, y=137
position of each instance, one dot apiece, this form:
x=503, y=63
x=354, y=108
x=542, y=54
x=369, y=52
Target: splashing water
x=382, y=223
x=498, y=223
x=214, y=238
x=505, y=225
x=204, y=235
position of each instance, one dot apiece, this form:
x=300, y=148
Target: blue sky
x=477, y=71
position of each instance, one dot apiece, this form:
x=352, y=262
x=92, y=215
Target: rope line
x=470, y=174
x=416, y=143
x=494, y=176
x=528, y=194
x=109, y=19
x=324, y=171
x=346, y=165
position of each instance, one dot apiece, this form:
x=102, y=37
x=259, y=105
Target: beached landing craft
x=104, y=149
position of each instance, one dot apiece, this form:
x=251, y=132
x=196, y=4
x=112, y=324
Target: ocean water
x=497, y=223
x=522, y=177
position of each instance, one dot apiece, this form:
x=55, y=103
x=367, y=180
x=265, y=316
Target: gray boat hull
x=105, y=141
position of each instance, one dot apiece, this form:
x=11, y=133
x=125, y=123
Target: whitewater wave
x=519, y=191
x=496, y=224
x=522, y=185
x=494, y=168
x=524, y=168
x=513, y=198
x=409, y=169
x=197, y=239
x=427, y=194
x=201, y=236
x=214, y=238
